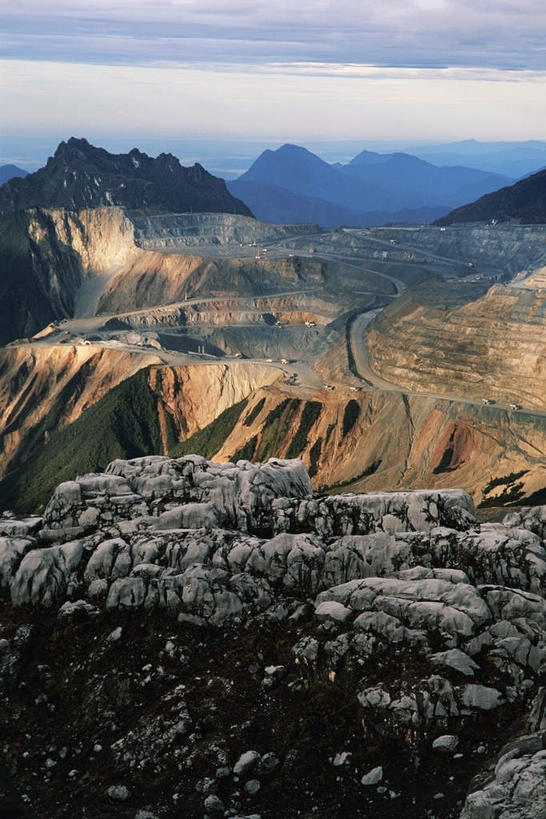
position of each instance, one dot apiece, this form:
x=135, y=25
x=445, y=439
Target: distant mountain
x=406, y=181
x=80, y=175
x=293, y=184
x=270, y=203
x=514, y=159
x=523, y=202
x=8, y=172
x=298, y=170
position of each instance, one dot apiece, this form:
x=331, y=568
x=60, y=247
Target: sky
x=428, y=70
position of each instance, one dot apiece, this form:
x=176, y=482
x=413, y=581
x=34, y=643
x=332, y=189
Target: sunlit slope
x=492, y=348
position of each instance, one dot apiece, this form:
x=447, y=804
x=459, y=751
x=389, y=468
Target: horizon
x=236, y=155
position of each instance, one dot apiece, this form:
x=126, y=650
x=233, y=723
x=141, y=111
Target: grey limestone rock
x=376, y=577
x=517, y=790
x=246, y=763
x=373, y=777
x=44, y=575
x=118, y=792
x=445, y=744
x=214, y=805
x=457, y=659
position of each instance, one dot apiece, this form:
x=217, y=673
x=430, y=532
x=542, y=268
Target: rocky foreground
x=183, y=639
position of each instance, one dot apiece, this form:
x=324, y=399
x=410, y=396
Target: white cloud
x=287, y=104
x=438, y=68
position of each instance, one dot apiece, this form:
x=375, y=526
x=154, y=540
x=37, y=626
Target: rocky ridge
x=80, y=175
x=223, y=551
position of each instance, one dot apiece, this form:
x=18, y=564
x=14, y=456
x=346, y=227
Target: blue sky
x=277, y=70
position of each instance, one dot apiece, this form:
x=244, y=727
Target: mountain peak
x=81, y=175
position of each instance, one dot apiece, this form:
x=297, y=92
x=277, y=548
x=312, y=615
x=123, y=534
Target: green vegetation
x=68, y=396
x=350, y=416
x=314, y=454
x=246, y=452
x=210, y=439
x=504, y=481
x=311, y=412
x=511, y=494
x=254, y=412
x=276, y=428
x=123, y=424
x=329, y=431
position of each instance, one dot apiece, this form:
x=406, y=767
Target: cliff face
x=80, y=175
x=48, y=255
x=496, y=249
x=151, y=279
x=490, y=348
x=170, y=231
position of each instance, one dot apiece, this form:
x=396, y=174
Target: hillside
x=46, y=388
x=56, y=263
x=515, y=159
x=273, y=204
x=405, y=181
x=80, y=175
x=524, y=202
x=65, y=405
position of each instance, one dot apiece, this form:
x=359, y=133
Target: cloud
x=439, y=68
x=503, y=34
x=276, y=103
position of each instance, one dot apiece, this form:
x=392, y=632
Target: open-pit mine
x=390, y=358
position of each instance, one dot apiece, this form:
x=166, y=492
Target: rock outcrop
x=518, y=785
x=429, y=626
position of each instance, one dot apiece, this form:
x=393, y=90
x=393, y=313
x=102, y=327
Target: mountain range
x=80, y=175
x=293, y=184
x=514, y=159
